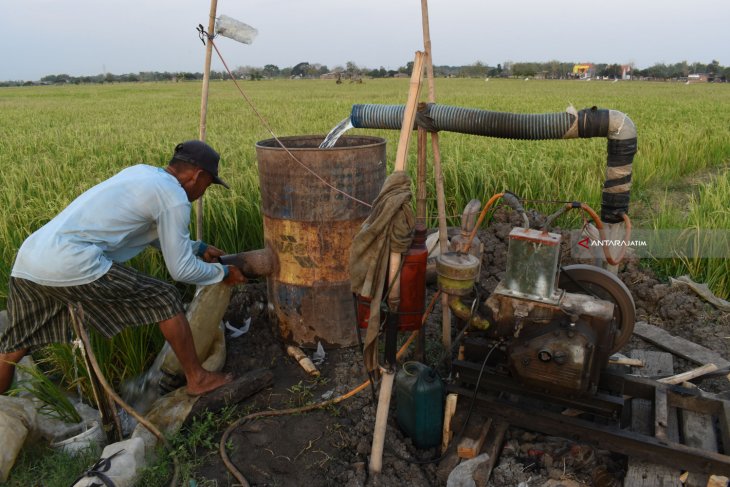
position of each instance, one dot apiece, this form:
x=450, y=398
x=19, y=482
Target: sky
x=88, y=37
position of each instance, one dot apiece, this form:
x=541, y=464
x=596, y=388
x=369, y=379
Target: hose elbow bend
x=465, y=313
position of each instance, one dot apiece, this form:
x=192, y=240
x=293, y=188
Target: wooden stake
x=421, y=177
x=443, y=242
x=409, y=116
x=381, y=423
x=110, y=420
x=204, y=110
x=449, y=410
x=439, y=175
x=427, y=49
x=401, y=159
x=386, y=385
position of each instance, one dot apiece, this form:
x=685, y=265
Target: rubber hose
x=591, y=122
x=473, y=121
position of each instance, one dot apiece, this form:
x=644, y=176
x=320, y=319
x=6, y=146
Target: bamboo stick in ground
x=204, y=110
x=449, y=410
x=381, y=420
x=421, y=177
x=386, y=385
x=400, y=165
x=306, y=363
x=439, y=176
x=409, y=116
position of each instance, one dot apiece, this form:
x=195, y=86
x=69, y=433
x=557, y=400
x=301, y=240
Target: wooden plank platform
x=660, y=445
x=641, y=473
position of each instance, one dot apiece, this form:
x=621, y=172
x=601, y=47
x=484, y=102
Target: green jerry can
x=420, y=404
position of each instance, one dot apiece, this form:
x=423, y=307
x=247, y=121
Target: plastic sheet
x=234, y=29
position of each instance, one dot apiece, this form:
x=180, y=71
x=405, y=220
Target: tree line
x=549, y=70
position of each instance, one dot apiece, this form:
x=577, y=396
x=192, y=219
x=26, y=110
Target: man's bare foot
x=206, y=382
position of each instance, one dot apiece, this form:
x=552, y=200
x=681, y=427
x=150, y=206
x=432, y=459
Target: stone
x=463, y=474
x=17, y=420
x=123, y=468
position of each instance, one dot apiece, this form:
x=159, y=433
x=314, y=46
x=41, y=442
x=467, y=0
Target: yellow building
x=583, y=70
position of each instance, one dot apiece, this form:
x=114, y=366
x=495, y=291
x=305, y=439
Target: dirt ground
x=331, y=447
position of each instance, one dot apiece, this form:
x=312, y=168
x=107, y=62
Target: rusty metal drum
x=309, y=227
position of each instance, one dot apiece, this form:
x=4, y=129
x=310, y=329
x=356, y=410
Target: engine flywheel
x=594, y=281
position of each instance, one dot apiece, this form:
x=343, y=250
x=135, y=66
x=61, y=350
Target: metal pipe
x=591, y=122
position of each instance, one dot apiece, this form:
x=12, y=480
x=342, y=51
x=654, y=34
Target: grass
x=40, y=465
x=60, y=140
x=192, y=446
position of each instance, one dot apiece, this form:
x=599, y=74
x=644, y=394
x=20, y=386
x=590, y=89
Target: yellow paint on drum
x=310, y=252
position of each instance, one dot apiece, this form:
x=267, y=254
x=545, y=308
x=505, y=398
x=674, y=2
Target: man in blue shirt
x=76, y=259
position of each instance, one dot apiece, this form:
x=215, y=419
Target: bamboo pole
x=439, y=176
x=204, y=110
x=427, y=50
x=386, y=385
x=409, y=117
x=421, y=177
x=401, y=159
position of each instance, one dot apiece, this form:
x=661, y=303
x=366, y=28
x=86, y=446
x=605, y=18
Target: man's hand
x=211, y=254
x=235, y=276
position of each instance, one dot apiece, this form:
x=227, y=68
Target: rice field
x=58, y=141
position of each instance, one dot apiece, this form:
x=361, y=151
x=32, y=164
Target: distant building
x=625, y=71
x=697, y=78
x=401, y=75
x=586, y=70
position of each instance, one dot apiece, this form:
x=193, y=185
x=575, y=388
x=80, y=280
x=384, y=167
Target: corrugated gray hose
x=591, y=122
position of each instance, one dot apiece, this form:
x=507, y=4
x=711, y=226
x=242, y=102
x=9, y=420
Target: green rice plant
x=124, y=356
x=55, y=403
x=704, y=210
x=60, y=140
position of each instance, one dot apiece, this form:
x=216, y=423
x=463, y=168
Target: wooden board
x=642, y=418
x=678, y=346
x=698, y=432
x=492, y=447
x=645, y=474
x=641, y=473
x=474, y=436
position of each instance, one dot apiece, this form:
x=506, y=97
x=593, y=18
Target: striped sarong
x=121, y=298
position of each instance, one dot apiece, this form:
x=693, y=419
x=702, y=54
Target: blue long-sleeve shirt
x=112, y=222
